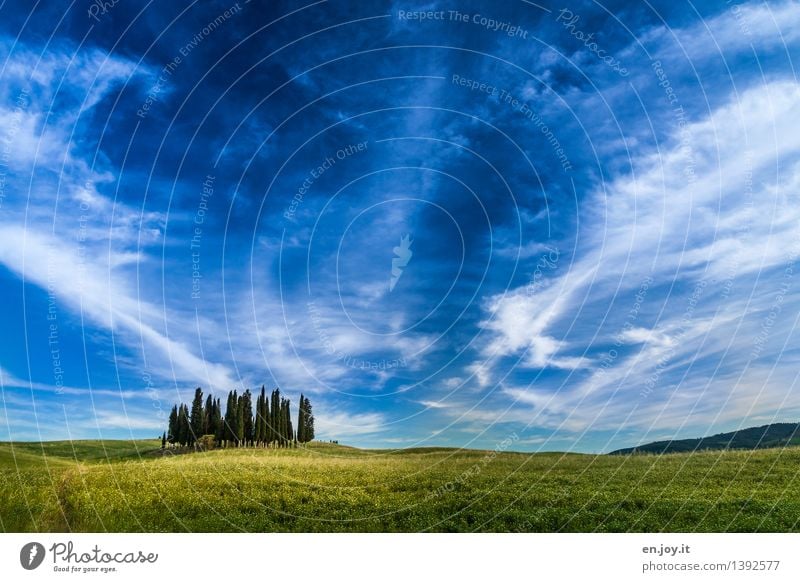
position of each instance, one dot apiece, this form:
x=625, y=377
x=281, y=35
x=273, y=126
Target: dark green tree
x=308, y=419
x=163, y=441
x=270, y=424
x=184, y=428
x=301, y=422
x=196, y=417
x=282, y=423
x=213, y=417
x=263, y=417
x=274, y=417
x=230, y=418
x=219, y=423
x=248, y=428
x=208, y=419
x=257, y=436
x=285, y=423
x=290, y=434
x=239, y=420
x=172, y=429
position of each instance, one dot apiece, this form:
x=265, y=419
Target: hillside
x=759, y=437
x=55, y=487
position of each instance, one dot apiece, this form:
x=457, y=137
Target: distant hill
x=758, y=437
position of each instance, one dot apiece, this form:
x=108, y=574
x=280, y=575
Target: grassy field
x=126, y=486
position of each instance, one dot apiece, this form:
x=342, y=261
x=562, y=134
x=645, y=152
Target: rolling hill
x=759, y=437
x=127, y=486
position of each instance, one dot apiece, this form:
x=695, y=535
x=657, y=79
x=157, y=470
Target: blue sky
x=591, y=212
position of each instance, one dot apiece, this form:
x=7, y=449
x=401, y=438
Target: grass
x=125, y=486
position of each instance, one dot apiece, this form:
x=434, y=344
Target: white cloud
x=729, y=231
x=640, y=335
x=432, y=404
x=338, y=425
x=740, y=27
x=654, y=222
x=89, y=288
x=453, y=382
x=519, y=320
x=8, y=380
x=114, y=420
x=77, y=252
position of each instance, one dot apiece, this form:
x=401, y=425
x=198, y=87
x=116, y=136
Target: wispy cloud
x=690, y=236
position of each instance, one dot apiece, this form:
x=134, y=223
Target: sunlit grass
x=127, y=486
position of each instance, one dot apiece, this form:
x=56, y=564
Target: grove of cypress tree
x=270, y=423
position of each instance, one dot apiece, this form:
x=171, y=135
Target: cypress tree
x=285, y=422
x=278, y=420
x=248, y=429
x=163, y=441
x=208, y=417
x=219, y=424
x=230, y=418
x=301, y=420
x=172, y=430
x=308, y=417
x=290, y=428
x=183, y=425
x=178, y=426
x=197, y=417
x=268, y=419
x=257, y=428
x=179, y=430
x=263, y=413
x=216, y=418
x=274, y=430
x=187, y=426
x=279, y=423
x=235, y=417
x=239, y=420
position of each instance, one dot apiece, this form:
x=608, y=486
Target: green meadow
x=128, y=486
